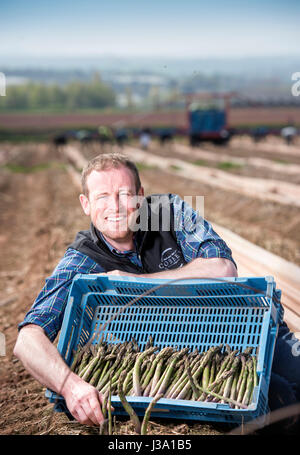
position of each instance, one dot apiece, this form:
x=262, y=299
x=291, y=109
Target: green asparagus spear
x=103, y=425
x=249, y=386
x=109, y=408
x=242, y=387
x=136, y=370
x=128, y=408
x=233, y=392
x=255, y=380
x=148, y=413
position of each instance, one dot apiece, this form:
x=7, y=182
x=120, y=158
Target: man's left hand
x=121, y=273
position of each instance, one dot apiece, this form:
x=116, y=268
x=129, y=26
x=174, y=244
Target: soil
x=40, y=215
x=271, y=148
x=237, y=117
x=230, y=165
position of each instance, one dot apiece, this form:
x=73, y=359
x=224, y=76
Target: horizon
x=250, y=65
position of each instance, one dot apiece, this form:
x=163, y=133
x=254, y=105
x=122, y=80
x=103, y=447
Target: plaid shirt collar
x=97, y=235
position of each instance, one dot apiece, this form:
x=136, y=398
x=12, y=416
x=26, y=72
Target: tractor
x=207, y=115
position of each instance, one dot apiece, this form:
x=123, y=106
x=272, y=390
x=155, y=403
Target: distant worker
x=288, y=133
x=259, y=133
x=166, y=135
x=121, y=136
x=84, y=136
x=60, y=139
x=145, y=138
x=105, y=135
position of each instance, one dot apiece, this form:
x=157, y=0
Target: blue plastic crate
x=188, y=313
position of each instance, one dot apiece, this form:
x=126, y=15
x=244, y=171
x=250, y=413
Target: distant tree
x=16, y=97
x=154, y=96
x=56, y=96
x=129, y=97
x=38, y=96
x=75, y=95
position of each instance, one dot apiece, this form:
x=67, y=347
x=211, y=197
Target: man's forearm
x=43, y=361
x=41, y=358
x=199, y=268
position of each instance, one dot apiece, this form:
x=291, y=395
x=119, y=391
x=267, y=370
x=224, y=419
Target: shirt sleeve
x=195, y=235
x=48, y=309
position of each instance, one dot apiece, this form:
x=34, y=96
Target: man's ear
x=85, y=204
x=140, y=197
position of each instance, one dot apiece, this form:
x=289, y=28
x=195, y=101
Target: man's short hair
x=105, y=162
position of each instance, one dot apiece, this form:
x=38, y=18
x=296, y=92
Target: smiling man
x=129, y=235
x=159, y=236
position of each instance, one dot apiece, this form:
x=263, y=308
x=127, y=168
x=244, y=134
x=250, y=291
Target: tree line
x=74, y=95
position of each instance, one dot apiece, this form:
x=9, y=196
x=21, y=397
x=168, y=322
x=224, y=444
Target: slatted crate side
x=198, y=320
x=181, y=326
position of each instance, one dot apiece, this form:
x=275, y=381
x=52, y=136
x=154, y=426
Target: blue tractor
x=208, y=118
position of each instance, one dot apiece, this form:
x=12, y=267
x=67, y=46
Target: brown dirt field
x=263, y=116
x=48, y=121
x=237, y=117
x=243, y=145
x=243, y=170
x=40, y=215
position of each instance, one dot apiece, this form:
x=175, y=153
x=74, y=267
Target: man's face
x=112, y=202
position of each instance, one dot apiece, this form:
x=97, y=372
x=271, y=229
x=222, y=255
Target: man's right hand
x=43, y=361
x=83, y=400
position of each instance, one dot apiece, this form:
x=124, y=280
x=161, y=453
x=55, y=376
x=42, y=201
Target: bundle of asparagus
x=219, y=375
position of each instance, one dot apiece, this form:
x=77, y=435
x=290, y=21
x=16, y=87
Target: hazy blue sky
x=174, y=28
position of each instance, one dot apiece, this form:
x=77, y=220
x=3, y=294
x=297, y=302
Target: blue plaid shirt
x=195, y=236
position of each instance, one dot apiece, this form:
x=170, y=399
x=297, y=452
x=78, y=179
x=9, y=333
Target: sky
x=156, y=28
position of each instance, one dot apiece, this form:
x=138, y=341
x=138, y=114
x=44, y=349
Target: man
x=121, y=241
x=289, y=133
x=145, y=138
